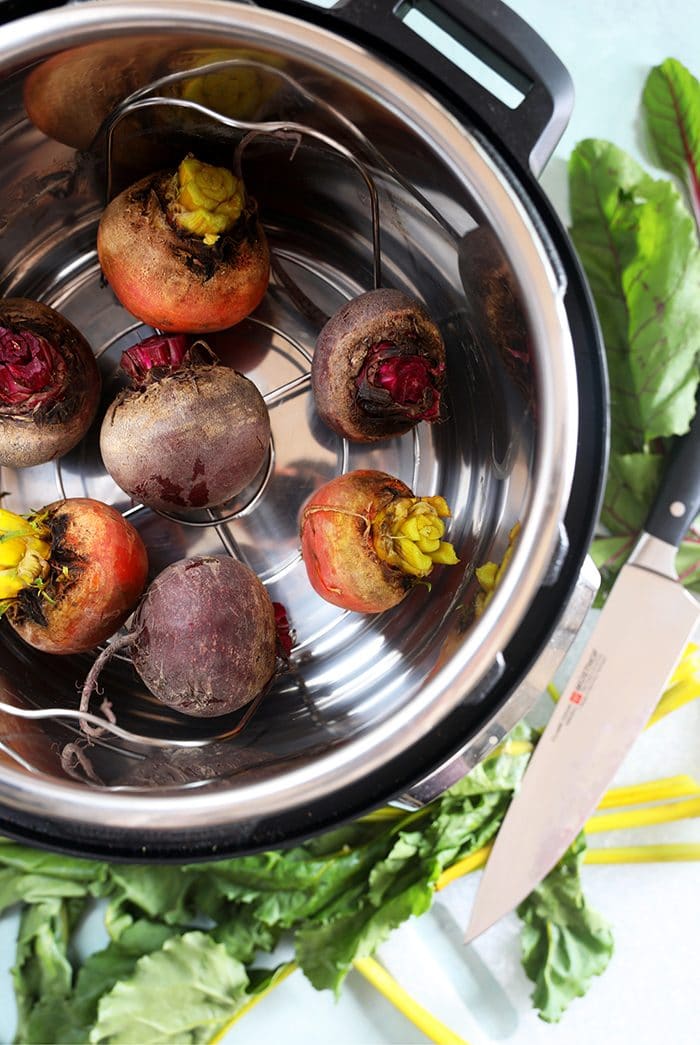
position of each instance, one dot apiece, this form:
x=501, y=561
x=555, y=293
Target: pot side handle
x=435, y=39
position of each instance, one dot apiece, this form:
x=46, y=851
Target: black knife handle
x=677, y=501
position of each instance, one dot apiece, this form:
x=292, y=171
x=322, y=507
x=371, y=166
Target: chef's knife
x=633, y=649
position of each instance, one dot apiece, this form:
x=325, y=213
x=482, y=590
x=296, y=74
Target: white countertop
x=609, y=48
x=649, y=992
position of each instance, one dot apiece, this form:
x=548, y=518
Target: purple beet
x=378, y=367
x=189, y=432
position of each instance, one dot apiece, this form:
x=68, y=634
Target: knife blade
x=634, y=646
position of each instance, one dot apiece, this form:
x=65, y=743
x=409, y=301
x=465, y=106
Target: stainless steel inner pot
x=370, y=704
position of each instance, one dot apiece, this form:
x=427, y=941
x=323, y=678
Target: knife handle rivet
x=677, y=509
x=493, y=740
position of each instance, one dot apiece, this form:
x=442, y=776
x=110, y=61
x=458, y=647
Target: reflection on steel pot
x=374, y=162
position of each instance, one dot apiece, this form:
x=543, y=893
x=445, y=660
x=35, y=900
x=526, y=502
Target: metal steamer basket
x=376, y=161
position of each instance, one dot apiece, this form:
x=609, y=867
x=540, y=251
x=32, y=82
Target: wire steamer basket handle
x=437, y=39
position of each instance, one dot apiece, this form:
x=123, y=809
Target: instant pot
x=378, y=161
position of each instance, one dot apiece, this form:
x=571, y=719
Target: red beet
x=189, y=433
x=204, y=637
x=49, y=384
x=378, y=367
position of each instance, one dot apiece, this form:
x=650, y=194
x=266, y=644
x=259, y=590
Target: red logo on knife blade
x=576, y=697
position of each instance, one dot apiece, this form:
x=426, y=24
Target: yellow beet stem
x=24, y=554
x=683, y=786
x=408, y=534
x=207, y=200
x=644, y=854
x=430, y=1025
x=13, y=525
x=486, y=575
x=683, y=686
x=661, y=814
x=282, y=973
x=489, y=574
x=11, y=550
x=445, y=554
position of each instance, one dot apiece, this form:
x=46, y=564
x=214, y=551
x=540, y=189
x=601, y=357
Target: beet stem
x=277, y=132
x=32, y=371
x=250, y=710
x=90, y=684
x=404, y=376
x=73, y=756
x=158, y=351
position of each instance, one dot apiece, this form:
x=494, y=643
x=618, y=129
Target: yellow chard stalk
x=489, y=575
x=409, y=533
x=24, y=555
x=683, y=686
x=207, y=200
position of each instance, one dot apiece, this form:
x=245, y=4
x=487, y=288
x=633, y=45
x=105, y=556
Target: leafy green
x=181, y=993
x=671, y=101
x=564, y=943
x=43, y=974
x=639, y=248
x=399, y=883
x=31, y=876
x=186, y=944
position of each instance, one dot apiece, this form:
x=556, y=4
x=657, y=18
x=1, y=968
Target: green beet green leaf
x=32, y=876
x=402, y=857
x=564, y=942
x=102, y=970
x=156, y=891
x=163, y=978
x=68, y=1019
x=688, y=561
x=56, y=865
x=244, y=936
x=639, y=249
x=610, y=549
x=43, y=973
x=462, y=825
x=400, y=884
x=632, y=482
x=99, y=973
x=283, y=888
x=326, y=952
x=671, y=101
x=136, y=935
x=35, y=888
x=182, y=993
